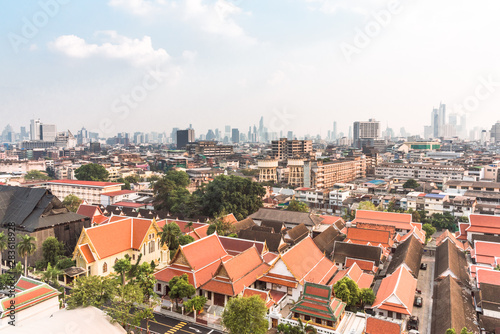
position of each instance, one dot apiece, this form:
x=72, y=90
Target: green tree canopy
x=171, y=193
x=235, y=194
x=72, y=202
x=411, y=184
x=92, y=291
x=245, y=315
x=92, y=172
x=36, y=175
x=220, y=225
x=367, y=296
x=429, y=230
x=185, y=239
x=451, y=331
x=347, y=290
x=122, y=267
x=180, y=288
x=52, y=249
x=195, y=304
x=297, y=206
x=367, y=205
x=51, y=275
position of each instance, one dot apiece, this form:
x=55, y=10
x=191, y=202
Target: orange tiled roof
x=400, y=284
x=398, y=220
x=380, y=326
x=87, y=253
x=85, y=183
x=306, y=261
x=356, y=274
x=88, y=210
x=365, y=265
x=204, y=251
x=487, y=276
x=364, y=236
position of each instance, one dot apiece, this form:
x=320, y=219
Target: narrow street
x=425, y=284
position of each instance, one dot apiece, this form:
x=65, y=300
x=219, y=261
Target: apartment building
x=89, y=191
x=424, y=172
x=209, y=149
x=324, y=175
x=284, y=148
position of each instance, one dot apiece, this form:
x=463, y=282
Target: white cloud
x=217, y=18
x=362, y=7
x=138, y=52
x=138, y=7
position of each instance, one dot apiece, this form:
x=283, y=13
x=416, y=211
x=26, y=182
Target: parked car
x=413, y=323
x=423, y=266
x=418, y=291
x=418, y=301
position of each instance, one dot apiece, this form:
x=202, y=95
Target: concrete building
x=323, y=175
x=284, y=148
x=267, y=170
x=184, y=137
x=426, y=172
x=365, y=133
x=88, y=191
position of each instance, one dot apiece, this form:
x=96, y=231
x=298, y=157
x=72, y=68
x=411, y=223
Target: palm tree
x=51, y=275
x=3, y=246
x=169, y=234
x=26, y=247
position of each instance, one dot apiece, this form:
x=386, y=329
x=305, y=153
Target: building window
x=318, y=321
x=158, y=287
x=104, y=268
x=209, y=295
x=307, y=318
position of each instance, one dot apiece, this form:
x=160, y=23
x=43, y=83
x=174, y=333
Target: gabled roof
x=417, y=233
x=120, y=234
x=451, y=261
x=276, y=226
x=118, y=193
x=274, y=241
x=317, y=301
x=29, y=293
x=236, y=273
x=374, y=226
x=396, y=292
x=230, y=218
x=88, y=210
x=343, y=250
x=486, y=252
x=336, y=221
x=234, y=246
x=356, y=274
x=326, y=239
x=243, y=224
x=297, y=233
x=369, y=237
x=381, y=326
x=409, y=254
x=306, y=262
x=288, y=217
x=448, y=235
x=489, y=276
x=399, y=220
x=365, y=265
x=452, y=307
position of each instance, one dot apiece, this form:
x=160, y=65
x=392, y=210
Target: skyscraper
x=334, y=134
x=184, y=137
x=366, y=132
x=235, y=136
x=35, y=129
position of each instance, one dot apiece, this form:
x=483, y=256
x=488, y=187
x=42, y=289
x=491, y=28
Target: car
x=423, y=266
x=412, y=323
x=418, y=291
x=418, y=301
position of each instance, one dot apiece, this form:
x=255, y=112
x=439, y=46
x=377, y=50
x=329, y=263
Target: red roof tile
x=487, y=276
x=400, y=284
x=399, y=220
x=88, y=210
x=365, y=236
x=118, y=193
x=87, y=253
x=380, y=326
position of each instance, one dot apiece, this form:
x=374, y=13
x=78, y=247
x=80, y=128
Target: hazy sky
x=150, y=65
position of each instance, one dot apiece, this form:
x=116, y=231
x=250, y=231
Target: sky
x=151, y=65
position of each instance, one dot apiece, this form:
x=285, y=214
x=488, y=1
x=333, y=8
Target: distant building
x=235, y=136
x=184, y=137
x=365, y=133
x=284, y=148
x=495, y=132
x=209, y=149
x=88, y=191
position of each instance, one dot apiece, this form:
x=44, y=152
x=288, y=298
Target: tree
x=235, y=194
x=367, y=296
x=347, y=290
x=92, y=291
x=25, y=247
x=35, y=175
x=51, y=275
x=497, y=267
x=145, y=280
x=169, y=235
x=51, y=173
x=122, y=266
x=429, y=230
x=195, y=304
x=6, y=280
x=219, y=225
x=465, y=331
x=367, y=205
x=297, y=206
x=451, y=331
x=72, y=202
x=245, y=315
x=185, y=239
x=3, y=246
x=51, y=250
x=122, y=309
x=180, y=288
x=64, y=263
x=411, y=184
x=92, y=172
x=415, y=215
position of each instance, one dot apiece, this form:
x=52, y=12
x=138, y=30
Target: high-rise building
x=48, y=132
x=173, y=135
x=235, y=136
x=438, y=120
x=184, y=137
x=334, y=133
x=495, y=132
x=284, y=148
x=35, y=129
x=366, y=132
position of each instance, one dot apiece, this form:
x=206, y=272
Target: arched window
x=105, y=267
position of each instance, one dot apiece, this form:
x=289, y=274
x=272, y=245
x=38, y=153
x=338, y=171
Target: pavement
x=166, y=325
x=426, y=285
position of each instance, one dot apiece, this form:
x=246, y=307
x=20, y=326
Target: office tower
x=249, y=133
x=35, y=129
x=365, y=133
x=350, y=132
x=184, y=137
x=173, y=135
x=334, y=134
x=48, y=132
x=227, y=132
x=235, y=136
x=438, y=120
x=210, y=135
x=289, y=135
x=23, y=133
x=495, y=132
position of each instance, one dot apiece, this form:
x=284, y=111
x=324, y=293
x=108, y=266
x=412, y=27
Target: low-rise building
x=89, y=191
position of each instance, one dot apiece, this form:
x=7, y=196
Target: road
x=425, y=284
x=167, y=325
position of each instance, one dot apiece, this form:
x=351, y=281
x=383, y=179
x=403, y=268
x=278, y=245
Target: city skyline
x=206, y=62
